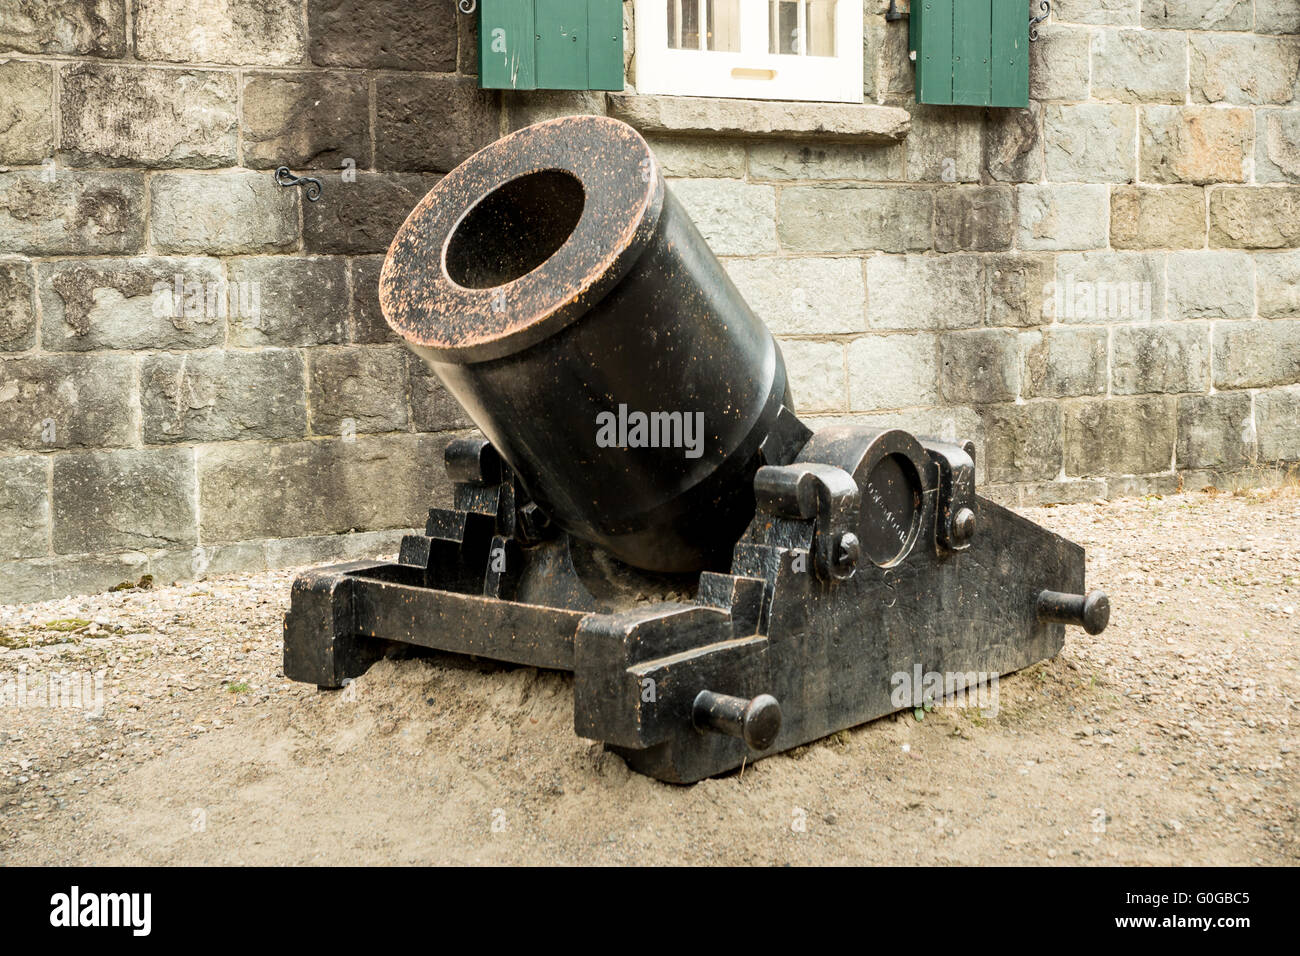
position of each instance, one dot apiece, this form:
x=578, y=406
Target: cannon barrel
x=565, y=299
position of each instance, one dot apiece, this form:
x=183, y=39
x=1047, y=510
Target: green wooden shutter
x=1010, y=54
x=551, y=44
x=971, y=52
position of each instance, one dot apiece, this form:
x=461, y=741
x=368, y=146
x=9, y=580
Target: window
x=761, y=49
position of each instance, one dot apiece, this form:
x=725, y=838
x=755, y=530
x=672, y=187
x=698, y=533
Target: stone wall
x=1103, y=290
x=265, y=411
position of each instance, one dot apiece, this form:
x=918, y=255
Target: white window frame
x=752, y=73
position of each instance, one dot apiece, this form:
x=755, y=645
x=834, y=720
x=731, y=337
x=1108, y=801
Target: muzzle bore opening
x=514, y=229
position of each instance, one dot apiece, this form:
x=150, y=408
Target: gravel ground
x=1167, y=739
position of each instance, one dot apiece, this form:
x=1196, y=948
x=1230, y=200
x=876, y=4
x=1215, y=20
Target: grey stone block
x=1120, y=13
x=947, y=423
x=1008, y=496
x=1277, y=16
x=17, y=306
x=222, y=214
x=302, y=301
x=467, y=43
x=1063, y=362
x=1277, y=144
x=384, y=34
x=1140, y=486
x=368, y=324
x=735, y=218
x=1168, y=357
x=1253, y=217
x=66, y=401
x=54, y=212
x=26, y=112
x=354, y=390
x=1119, y=436
x=1244, y=68
x=432, y=407
x=358, y=546
x=1058, y=63
x=924, y=292
x=25, y=505
x=818, y=375
x=24, y=581
x=812, y=161
x=1018, y=287
x=362, y=215
x=1069, y=491
x=979, y=366
x=127, y=499
x=945, y=145
x=1090, y=142
x=66, y=28
x=139, y=303
x=1062, y=216
x=208, y=560
x=805, y=296
x=297, y=552
x=1211, y=285
x=1215, y=431
x=243, y=32
x=222, y=396
x=1277, y=275
x=844, y=218
x=1107, y=287
x=253, y=490
x=128, y=116
x=1139, y=66
x=1013, y=148
x=95, y=573
x=1022, y=442
x=1256, y=354
x=891, y=73
x=526, y=107
x=1277, y=419
x=893, y=371
x=1197, y=14
x=694, y=158
x=974, y=218
x=467, y=120
x=306, y=120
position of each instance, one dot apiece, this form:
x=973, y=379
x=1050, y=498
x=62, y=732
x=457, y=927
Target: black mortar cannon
x=646, y=510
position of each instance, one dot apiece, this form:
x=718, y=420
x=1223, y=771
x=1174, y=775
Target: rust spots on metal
x=514, y=244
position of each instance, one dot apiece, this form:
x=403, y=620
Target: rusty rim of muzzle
x=522, y=238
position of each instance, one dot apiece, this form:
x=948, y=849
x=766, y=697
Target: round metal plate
x=889, y=468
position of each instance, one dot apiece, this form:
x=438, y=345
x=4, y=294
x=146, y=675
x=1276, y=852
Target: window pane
x=784, y=32
x=684, y=24
x=690, y=24
x=723, y=25
x=819, y=25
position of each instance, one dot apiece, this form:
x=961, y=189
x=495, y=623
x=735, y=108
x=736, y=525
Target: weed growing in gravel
x=67, y=624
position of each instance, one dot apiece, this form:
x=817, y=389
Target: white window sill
x=760, y=119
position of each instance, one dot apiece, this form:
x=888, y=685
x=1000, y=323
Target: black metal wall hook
x=312, y=187
x=1046, y=7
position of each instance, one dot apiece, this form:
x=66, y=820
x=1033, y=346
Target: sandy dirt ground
x=1169, y=739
